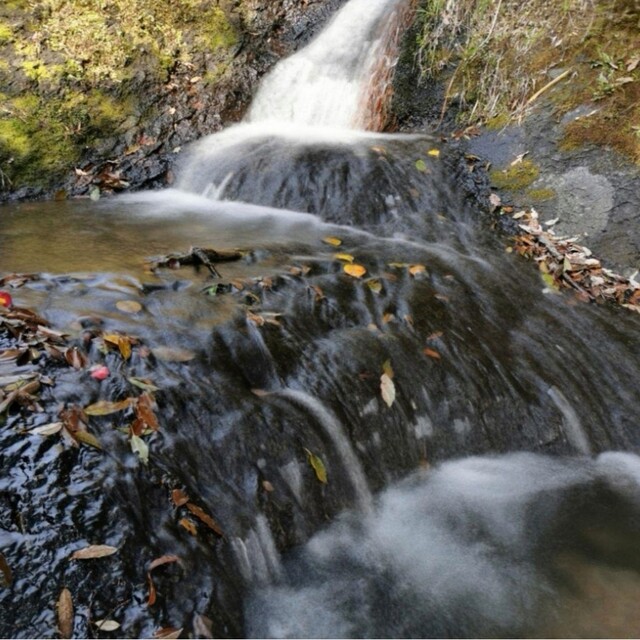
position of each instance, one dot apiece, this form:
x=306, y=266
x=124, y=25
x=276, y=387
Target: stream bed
x=376, y=422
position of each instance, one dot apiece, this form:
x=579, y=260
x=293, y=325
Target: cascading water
x=285, y=375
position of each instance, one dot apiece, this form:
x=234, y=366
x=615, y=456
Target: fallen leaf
x=65, y=614
x=189, y=525
x=318, y=466
x=143, y=384
x=122, y=342
x=151, y=599
x=100, y=373
x=105, y=408
x=387, y=389
x=416, y=269
x=435, y=335
x=7, y=576
x=93, y=551
x=107, y=625
x=87, y=438
x=158, y=562
x=140, y=448
x=431, y=353
x=421, y=165
x=434, y=153
x=48, y=429
x=375, y=285
x=173, y=354
x=166, y=633
x=5, y=299
x=129, y=306
x=354, y=270
x=267, y=486
x=344, y=257
x=333, y=241
x=145, y=413
x=179, y=497
x=202, y=627
x=204, y=517
x=75, y=358
x=387, y=368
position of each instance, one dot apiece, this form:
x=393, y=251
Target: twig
x=547, y=86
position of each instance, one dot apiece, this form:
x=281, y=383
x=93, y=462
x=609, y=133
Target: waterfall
x=325, y=83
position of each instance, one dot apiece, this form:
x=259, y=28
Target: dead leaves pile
x=564, y=264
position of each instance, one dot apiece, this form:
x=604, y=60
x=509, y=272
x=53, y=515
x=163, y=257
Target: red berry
x=5, y=299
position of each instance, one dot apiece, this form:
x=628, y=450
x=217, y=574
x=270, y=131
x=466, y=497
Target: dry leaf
x=334, y=242
x=434, y=153
x=151, y=599
x=189, y=525
x=7, y=576
x=87, y=438
x=140, y=448
x=144, y=411
x=173, y=354
x=318, y=466
x=344, y=257
x=129, y=306
x=158, y=562
x=105, y=408
x=179, y=497
x=387, y=389
x=375, y=285
x=431, y=353
x=416, y=269
x=204, y=517
x=166, y=633
x=107, y=625
x=93, y=551
x=48, y=429
x=65, y=614
x=354, y=270
x=387, y=368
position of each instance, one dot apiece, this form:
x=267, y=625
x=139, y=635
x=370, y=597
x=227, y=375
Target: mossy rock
x=515, y=177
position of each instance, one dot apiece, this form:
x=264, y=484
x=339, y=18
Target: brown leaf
x=204, y=517
x=65, y=614
x=6, y=571
x=173, y=354
x=431, y=353
x=158, y=562
x=75, y=358
x=189, y=525
x=151, y=600
x=179, y=497
x=144, y=411
x=93, y=551
x=166, y=633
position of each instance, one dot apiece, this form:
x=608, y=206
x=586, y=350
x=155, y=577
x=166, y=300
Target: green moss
x=6, y=32
x=541, y=194
x=499, y=121
x=14, y=139
x=516, y=177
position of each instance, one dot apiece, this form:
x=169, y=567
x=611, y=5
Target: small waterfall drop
x=324, y=84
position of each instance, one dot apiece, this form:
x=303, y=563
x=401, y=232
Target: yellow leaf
x=333, y=241
x=415, y=269
x=129, y=306
x=354, y=270
x=318, y=466
x=344, y=257
x=434, y=153
x=387, y=368
x=398, y=265
x=387, y=389
x=87, y=438
x=375, y=285
x=105, y=408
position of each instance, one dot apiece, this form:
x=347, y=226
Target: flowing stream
x=434, y=447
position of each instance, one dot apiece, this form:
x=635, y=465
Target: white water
x=323, y=84
x=514, y=546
